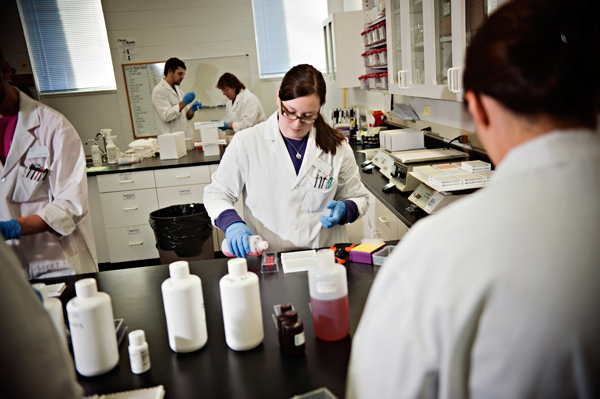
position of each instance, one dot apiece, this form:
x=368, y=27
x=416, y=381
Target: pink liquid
x=331, y=319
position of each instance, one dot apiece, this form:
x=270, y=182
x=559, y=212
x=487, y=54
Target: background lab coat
x=498, y=295
x=166, y=110
x=245, y=112
x=283, y=208
x=61, y=200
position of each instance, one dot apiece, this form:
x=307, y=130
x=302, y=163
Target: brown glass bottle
x=284, y=307
x=292, y=334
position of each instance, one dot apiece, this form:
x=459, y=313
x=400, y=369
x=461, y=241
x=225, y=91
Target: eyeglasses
x=288, y=115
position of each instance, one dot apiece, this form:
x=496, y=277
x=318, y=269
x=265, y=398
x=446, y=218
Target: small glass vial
x=139, y=355
x=292, y=336
x=284, y=307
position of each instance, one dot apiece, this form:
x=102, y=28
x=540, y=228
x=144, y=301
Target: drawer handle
x=375, y=233
x=130, y=209
x=383, y=220
x=182, y=177
x=125, y=181
x=136, y=243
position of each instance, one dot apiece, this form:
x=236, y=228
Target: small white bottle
x=54, y=308
x=139, y=355
x=96, y=155
x=242, y=312
x=92, y=329
x=111, y=148
x=184, y=309
x=257, y=246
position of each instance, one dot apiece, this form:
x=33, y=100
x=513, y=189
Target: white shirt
x=498, y=295
x=61, y=199
x=283, y=208
x=166, y=110
x=246, y=111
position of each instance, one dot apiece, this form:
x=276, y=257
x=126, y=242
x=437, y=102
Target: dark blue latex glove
x=188, y=97
x=225, y=126
x=237, y=239
x=196, y=106
x=10, y=229
x=338, y=210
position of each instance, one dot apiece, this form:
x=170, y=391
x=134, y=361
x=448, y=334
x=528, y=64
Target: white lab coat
x=166, y=110
x=61, y=200
x=498, y=295
x=245, y=112
x=283, y=208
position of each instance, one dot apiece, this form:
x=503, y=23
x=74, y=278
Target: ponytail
x=327, y=138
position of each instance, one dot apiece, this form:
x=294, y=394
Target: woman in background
x=243, y=109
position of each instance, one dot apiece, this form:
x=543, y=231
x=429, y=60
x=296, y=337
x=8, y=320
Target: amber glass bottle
x=292, y=334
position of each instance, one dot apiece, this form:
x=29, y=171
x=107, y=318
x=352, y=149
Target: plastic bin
x=365, y=57
x=384, y=81
x=383, y=56
x=372, y=81
x=182, y=232
x=381, y=29
x=361, y=79
x=380, y=256
x=365, y=40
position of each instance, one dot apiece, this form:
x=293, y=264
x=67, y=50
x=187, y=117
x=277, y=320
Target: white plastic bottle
x=139, y=355
x=96, y=155
x=184, y=309
x=92, y=329
x=257, y=246
x=54, y=308
x=111, y=148
x=242, y=312
x=328, y=287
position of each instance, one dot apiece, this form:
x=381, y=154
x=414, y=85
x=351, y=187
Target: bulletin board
x=201, y=77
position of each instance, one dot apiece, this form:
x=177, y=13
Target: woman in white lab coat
x=287, y=171
x=243, y=109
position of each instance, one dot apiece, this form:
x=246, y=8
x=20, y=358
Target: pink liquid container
x=257, y=246
x=328, y=287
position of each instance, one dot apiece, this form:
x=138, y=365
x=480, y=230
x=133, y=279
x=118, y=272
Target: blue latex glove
x=10, y=229
x=188, y=97
x=338, y=210
x=237, y=239
x=225, y=126
x=196, y=106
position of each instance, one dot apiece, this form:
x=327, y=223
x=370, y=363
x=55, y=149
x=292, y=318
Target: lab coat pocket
x=27, y=189
x=317, y=196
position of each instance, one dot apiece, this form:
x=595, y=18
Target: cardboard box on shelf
x=446, y=18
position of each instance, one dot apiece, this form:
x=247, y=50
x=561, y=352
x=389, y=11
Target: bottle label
x=299, y=339
x=326, y=287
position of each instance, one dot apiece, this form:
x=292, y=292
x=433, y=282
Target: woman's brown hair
x=230, y=80
x=304, y=80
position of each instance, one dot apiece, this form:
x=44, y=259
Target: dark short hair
x=230, y=80
x=173, y=64
x=536, y=57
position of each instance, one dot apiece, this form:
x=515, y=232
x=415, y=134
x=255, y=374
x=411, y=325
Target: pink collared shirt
x=8, y=124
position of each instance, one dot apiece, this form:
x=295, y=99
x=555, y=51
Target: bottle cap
x=284, y=307
x=179, y=270
x=291, y=316
x=137, y=338
x=325, y=258
x=263, y=245
x=237, y=266
x=41, y=288
x=86, y=288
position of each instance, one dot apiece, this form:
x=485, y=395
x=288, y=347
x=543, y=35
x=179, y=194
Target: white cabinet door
x=128, y=208
x=131, y=243
x=343, y=48
x=386, y=221
x=182, y=176
x=126, y=181
x=192, y=194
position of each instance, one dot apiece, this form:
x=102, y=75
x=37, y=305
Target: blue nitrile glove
x=188, y=97
x=338, y=209
x=225, y=126
x=237, y=239
x=10, y=229
x=196, y=106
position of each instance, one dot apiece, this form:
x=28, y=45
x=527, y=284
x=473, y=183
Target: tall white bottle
x=184, y=309
x=92, y=329
x=54, y=308
x=242, y=312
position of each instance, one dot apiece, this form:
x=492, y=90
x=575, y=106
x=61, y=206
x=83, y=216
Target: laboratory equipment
x=54, y=308
x=363, y=253
x=240, y=301
x=299, y=261
x=139, y=355
x=111, y=148
x=257, y=246
x=328, y=288
x=292, y=334
x=269, y=262
x=184, y=309
x=283, y=308
x=431, y=200
x=92, y=329
x=96, y=155
x=380, y=256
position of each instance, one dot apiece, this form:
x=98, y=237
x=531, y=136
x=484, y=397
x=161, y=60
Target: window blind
x=68, y=45
x=288, y=33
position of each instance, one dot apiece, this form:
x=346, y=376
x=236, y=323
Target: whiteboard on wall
x=201, y=77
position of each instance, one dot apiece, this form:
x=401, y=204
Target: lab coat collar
x=28, y=120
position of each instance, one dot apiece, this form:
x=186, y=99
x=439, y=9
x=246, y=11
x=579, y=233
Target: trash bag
x=181, y=228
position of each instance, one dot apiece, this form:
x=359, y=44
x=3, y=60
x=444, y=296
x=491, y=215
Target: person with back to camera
x=289, y=169
x=498, y=295
x=243, y=110
x=172, y=107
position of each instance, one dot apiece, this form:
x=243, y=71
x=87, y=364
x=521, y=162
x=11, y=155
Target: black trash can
x=183, y=232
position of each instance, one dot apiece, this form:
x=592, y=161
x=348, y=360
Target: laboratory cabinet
x=343, y=48
x=378, y=222
x=427, y=41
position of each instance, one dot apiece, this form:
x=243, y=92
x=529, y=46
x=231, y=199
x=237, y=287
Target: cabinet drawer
x=386, y=220
x=126, y=181
x=182, y=176
x=131, y=243
x=192, y=194
x=128, y=208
